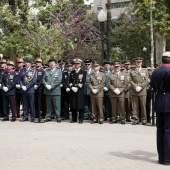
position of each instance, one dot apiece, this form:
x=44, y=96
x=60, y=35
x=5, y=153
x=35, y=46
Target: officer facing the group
x=52, y=80
x=96, y=83
x=77, y=81
x=28, y=80
x=9, y=90
x=39, y=89
x=161, y=83
x=139, y=81
x=87, y=102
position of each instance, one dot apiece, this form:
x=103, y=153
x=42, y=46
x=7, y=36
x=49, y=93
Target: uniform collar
x=165, y=65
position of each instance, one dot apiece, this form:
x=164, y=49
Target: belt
x=138, y=84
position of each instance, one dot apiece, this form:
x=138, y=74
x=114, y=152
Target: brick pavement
x=59, y=146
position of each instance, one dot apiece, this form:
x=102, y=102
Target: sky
x=88, y=1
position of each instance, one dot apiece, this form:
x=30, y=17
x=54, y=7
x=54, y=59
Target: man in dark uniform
x=77, y=81
x=52, y=80
x=2, y=70
x=66, y=91
x=39, y=88
x=87, y=102
x=28, y=80
x=9, y=90
x=161, y=83
x=18, y=71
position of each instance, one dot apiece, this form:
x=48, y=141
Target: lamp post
x=102, y=17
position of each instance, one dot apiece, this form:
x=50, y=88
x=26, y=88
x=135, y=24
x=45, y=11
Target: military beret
x=28, y=60
x=166, y=55
x=87, y=61
x=51, y=60
x=138, y=59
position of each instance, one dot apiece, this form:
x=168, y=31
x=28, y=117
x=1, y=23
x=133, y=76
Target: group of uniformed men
x=95, y=93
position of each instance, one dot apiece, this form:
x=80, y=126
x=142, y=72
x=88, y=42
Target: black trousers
x=163, y=136
x=74, y=114
x=9, y=101
x=18, y=103
x=1, y=105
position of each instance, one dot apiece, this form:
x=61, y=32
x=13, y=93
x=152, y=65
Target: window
x=99, y=8
x=120, y=4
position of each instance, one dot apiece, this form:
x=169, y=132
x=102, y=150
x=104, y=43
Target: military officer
x=77, y=82
x=139, y=80
x=9, y=90
x=161, y=83
x=18, y=71
x=128, y=101
x=87, y=102
x=39, y=88
x=3, y=69
x=28, y=80
x=106, y=102
x=66, y=87
x=96, y=84
x=117, y=84
x=52, y=80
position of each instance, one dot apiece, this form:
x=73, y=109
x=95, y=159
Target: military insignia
x=39, y=73
x=30, y=74
x=143, y=74
x=99, y=78
x=11, y=76
x=65, y=76
x=122, y=78
x=80, y=85
x=80, y=76
x=16, y=73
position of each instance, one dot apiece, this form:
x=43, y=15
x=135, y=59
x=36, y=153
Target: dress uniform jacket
x=86, y=87
x=77, y=80
x=54, y=79
x=66, y=80
x=117, y=81
x=18, y=78
x=97, y=82
x=39, y=75
x=28, y=79
x=139, y=79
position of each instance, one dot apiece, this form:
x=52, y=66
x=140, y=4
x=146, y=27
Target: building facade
x=118, y=6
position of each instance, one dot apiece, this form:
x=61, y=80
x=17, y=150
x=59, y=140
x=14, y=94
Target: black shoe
x=113, y=121
x=59, y=121
x=73, y=121
x=24, y=120
x=80, y=122
x=166, y=163
x=128, y=120
x=32, y=120
x=5, y=119
x=86, y=118
x=123, y=122
x=13, y=120
x=144, y=122
x=47, y=120
x=160, y=162
x=100, y=122
x=136, y=122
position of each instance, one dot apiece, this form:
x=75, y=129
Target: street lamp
x=102, y=17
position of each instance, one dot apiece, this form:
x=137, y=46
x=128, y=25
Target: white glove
x=67, y=89
x=105, y=89
x=0, y=85
x=95, y=91
x=35, y=87
x=117, y=91
x=61, y=85
x=138, y=89
x=24, y=88
x=5, y=89
x=75, y=89
x=48, y=87
x=18, y=86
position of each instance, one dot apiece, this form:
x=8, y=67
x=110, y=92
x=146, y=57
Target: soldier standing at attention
x=106, y=101
x=28, y=80
x=66, y=91
x=87, y=102
x=77, y=81
x=139, y=81
x=18, y=71
x=3, y=69
x=117, y=85
x=96, y=84
x=52, y=80
x=161, y=84
x=39, y=89
x=9, y=90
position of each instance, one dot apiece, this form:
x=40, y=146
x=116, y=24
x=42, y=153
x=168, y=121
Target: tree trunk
x=160, y=47
x=12, y=6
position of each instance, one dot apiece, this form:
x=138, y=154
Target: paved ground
x=65, y=146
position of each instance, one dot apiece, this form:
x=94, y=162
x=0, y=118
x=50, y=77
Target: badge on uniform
x=30, y=74
x=122, y=78
x=143, y=75
x=39, y=73
x=80, y=77
x=11, y=76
